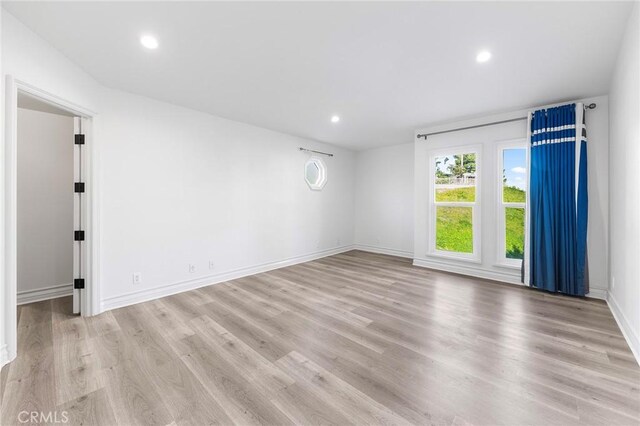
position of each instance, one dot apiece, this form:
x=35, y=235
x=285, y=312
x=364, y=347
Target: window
x=454, y=199
x=511, y=203
x=315, y=173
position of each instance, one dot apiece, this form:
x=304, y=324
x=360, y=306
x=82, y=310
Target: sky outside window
x=515, y=163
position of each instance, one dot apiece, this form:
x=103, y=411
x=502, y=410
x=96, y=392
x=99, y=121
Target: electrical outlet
x=137, y=278
x=338, y=241
x=192, y=268
x=212, y=264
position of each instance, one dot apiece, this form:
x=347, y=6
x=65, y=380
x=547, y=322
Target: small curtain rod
x=424, y=135
x=315, y=152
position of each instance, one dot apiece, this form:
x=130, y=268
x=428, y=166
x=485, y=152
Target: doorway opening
x=46, y=202
x=48, y=221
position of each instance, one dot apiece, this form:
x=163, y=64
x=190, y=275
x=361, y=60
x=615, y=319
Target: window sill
x=508, y=265
x=453, y=257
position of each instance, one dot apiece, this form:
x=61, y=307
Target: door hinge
x=79, y=235
x=79, y=187
x=79, y=139
x=78, y=283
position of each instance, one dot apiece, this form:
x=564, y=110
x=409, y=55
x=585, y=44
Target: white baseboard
x=597, y=293
x=181, y=286
x=625, y=326
x=30, y=296
x=474, y=271
x=384, y=250
x=471, y=271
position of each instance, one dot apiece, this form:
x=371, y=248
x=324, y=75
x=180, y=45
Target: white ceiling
x=385, y=68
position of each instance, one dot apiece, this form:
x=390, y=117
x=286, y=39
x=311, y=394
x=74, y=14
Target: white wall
x=180, y=187
x=45, y=202
x=624, y=192
x=384, y=200
x=489, y=137
x=29, y=58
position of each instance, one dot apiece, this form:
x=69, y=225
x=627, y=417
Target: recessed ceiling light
x=150, y=42
x=335, y=119
x=483, y=56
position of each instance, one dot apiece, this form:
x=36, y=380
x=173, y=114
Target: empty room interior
x=277, y=213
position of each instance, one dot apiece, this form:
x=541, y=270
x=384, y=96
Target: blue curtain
x=558, y=201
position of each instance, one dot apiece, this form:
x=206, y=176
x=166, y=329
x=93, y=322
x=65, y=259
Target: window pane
x=514, y=235
x=455, y=177
x=454, y=229
x=514, y=171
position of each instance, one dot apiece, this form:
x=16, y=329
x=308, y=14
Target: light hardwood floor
x=356, y=338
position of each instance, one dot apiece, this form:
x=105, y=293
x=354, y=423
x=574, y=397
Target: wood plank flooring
x=356, y=338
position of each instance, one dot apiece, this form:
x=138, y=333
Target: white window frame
x=502, y=259
x=475, y=256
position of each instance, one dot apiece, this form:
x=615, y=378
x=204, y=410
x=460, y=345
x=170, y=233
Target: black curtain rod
x=316, y=152
x=424, y=135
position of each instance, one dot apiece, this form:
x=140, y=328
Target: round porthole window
x=315, y=173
